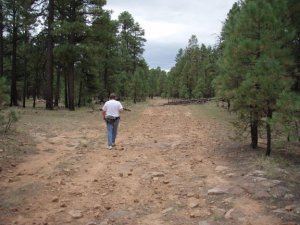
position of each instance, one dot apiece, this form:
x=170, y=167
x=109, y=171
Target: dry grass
x=212, y=111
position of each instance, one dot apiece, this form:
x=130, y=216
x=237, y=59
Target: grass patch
x=274, y=166
x=212, y=111
x=15, y=198
x=135, y=113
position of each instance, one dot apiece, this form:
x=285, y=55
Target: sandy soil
x=165, y=170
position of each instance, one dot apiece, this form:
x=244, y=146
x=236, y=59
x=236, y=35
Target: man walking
x=111, y=114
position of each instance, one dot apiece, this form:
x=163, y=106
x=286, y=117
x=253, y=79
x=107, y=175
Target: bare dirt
x=170, y=167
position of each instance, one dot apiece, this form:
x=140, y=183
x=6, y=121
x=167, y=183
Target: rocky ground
x=171, y=166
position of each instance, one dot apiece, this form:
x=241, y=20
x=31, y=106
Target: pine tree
x=1, y=40
x=75, y=16
x=255, y=62
x=104, y=46
x=131, y=39
x=294, y=16
x=50, y=66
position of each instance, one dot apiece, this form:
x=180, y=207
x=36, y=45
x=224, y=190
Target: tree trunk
x=71, y=63
x=269, y=137
x=25, y=70
x=254, y=132
x=66, y=89
x=34, y=99
x=49, y=67
x=80, y=93
x=106, y=84
x=35, y=88
x=57, y=88
x=25, y=84
x=1, y=40
x=71, y=84
x=13, y=88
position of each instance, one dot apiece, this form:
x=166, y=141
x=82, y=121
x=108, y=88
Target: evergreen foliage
x=255, y=61
x=255, y=67
x=87, y=53
x=194, y=71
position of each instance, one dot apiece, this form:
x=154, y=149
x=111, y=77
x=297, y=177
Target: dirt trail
x=163, y=171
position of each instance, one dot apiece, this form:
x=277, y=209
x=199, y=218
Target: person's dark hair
x=112, y=96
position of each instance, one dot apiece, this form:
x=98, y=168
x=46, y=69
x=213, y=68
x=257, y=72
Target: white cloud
x=161, y=31
x=172, y=22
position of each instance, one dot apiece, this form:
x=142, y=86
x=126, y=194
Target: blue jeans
x=112, y=130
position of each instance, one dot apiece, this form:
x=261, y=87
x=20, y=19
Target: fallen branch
x=125, y=109
x=189, y=101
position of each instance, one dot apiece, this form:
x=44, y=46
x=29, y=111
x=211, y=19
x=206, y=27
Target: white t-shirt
x=112, y=108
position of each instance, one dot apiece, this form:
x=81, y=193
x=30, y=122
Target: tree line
x=70, y=52
x=255, y=68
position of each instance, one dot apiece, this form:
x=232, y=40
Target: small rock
x=166, y=181
x=55, y=199
x=290, y=208
x=203, y=223
x=91, y=223
x=217, y=191
x=121, y=174
x=76, y=214
x=228, y=200
x=289, y=196
x=231, y=174
x=97, y=207
x=259, y=179
x=200, y=213
x=279, y=211
x=193, y=203
x=221, y=168
x=167, y=210
x=261, y=194
x=95, y=180
x=63, y=205
x=258, y=173
x=136, y=201
x=228, y=214
x=107, y=207
x=153, y=175
x=105, y=222
x=190, y=194
x=281, y=171
x=218, y=212
x=289, y=223
x=279, y=191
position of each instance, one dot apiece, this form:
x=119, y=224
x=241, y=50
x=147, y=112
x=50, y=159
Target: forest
x=214, y=140
x=71, y=53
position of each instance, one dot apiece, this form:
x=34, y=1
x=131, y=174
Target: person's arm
x=103, y=114
x=120, y=107
x=104, y=111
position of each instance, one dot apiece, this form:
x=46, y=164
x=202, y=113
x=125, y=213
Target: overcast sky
x=169, y=24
